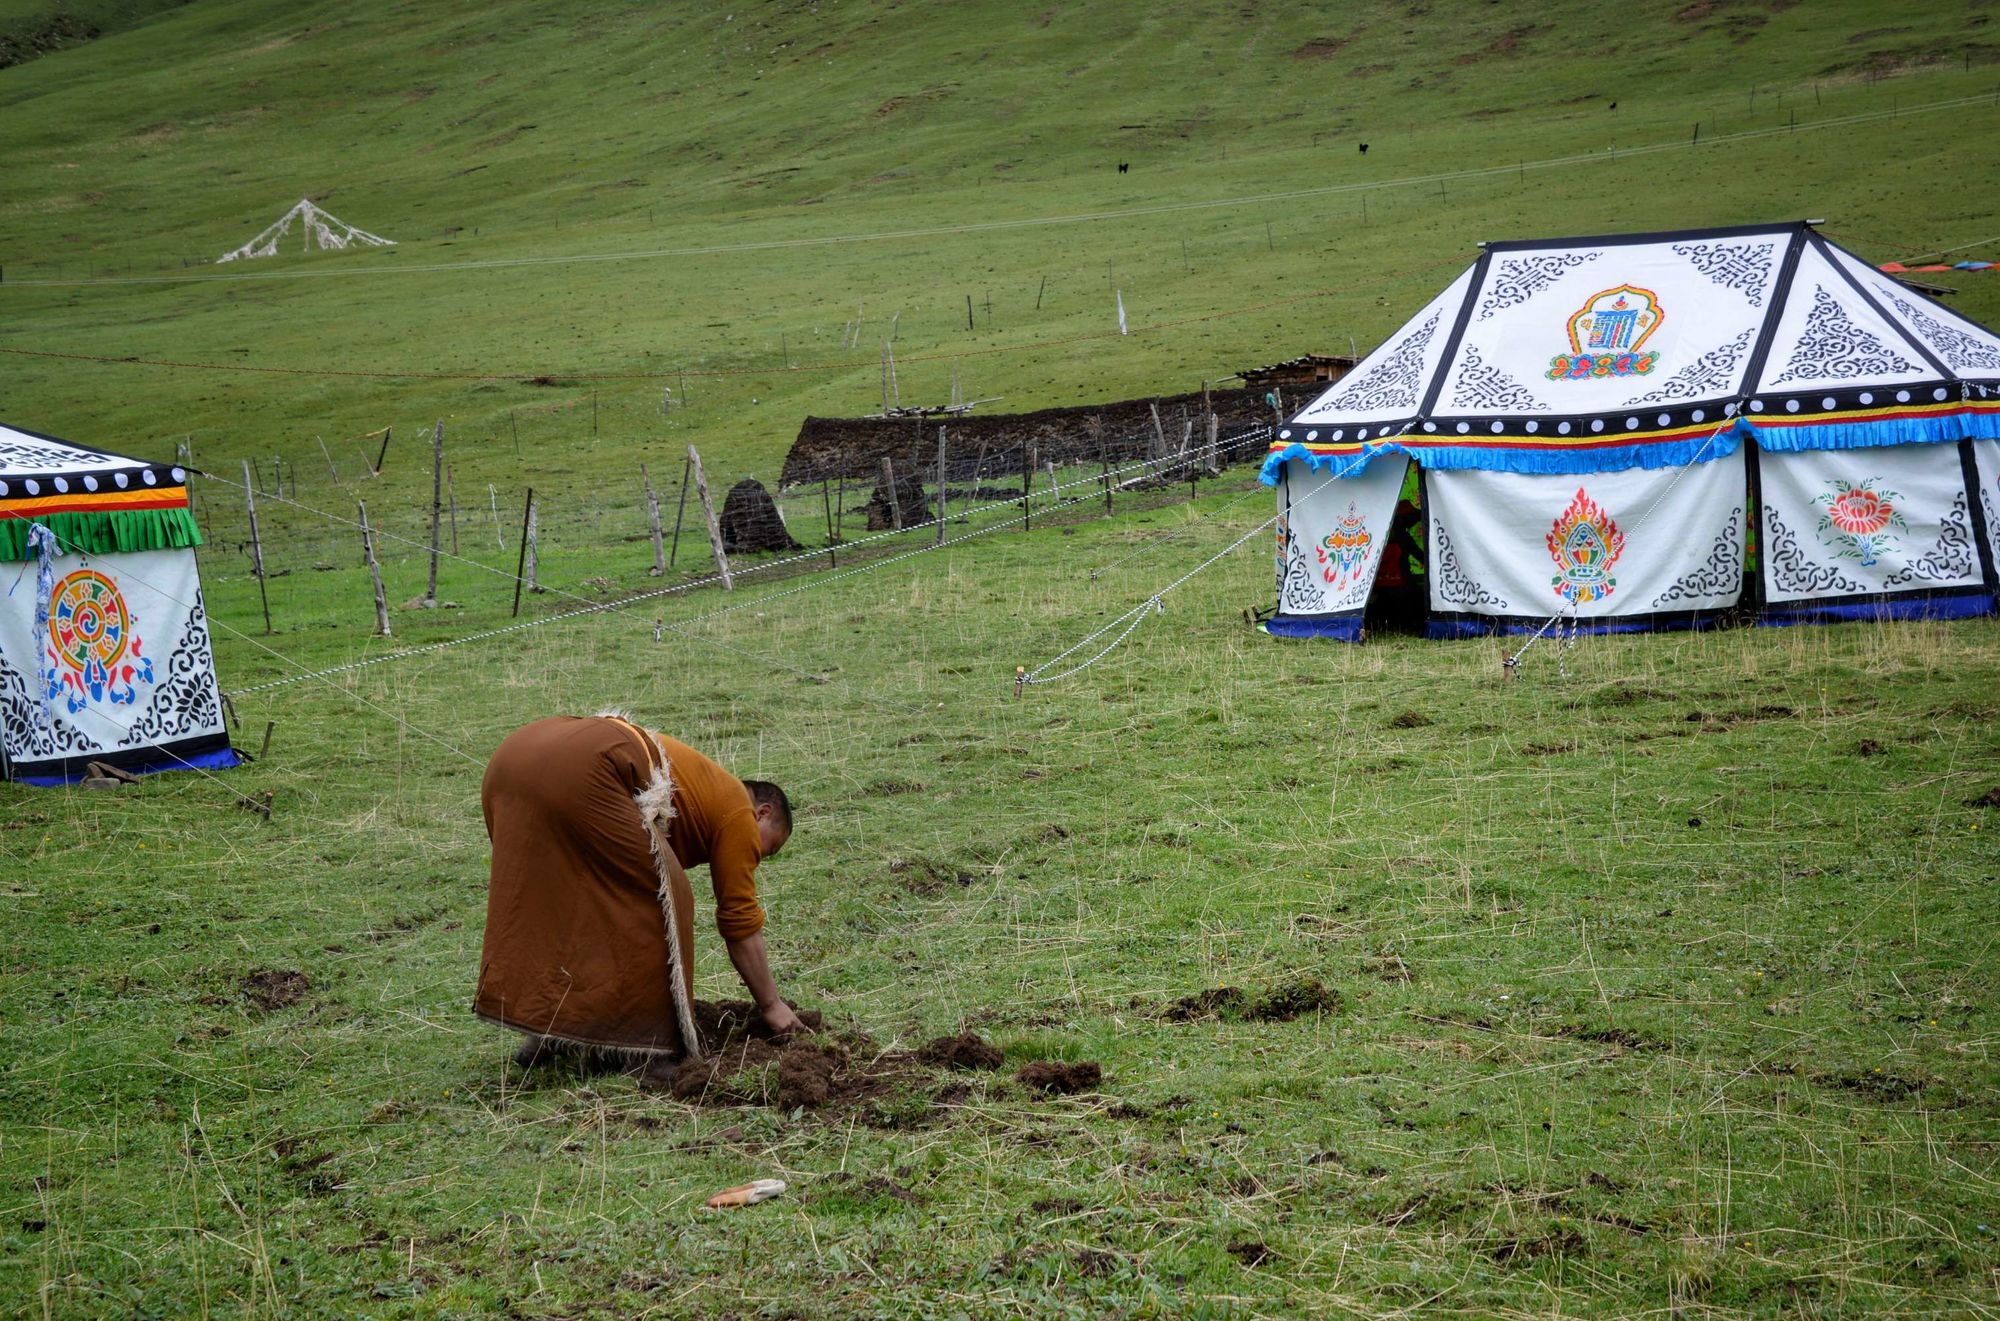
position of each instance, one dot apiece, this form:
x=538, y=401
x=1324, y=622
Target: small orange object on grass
x=747, y=1194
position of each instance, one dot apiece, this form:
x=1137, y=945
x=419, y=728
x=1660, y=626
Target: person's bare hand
x=778, y=1017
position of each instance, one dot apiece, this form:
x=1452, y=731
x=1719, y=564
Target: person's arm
x=747, y=953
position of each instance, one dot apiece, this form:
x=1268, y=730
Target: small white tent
x=1654, y=431
x=104, y=648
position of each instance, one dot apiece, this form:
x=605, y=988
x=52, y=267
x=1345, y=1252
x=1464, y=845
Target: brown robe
x=577, y=943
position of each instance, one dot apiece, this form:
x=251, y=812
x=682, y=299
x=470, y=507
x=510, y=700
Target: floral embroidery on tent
x=1343, y=552
x=1859, y=517
x=1606, y=334
x=91, y=642
x=1585, y=543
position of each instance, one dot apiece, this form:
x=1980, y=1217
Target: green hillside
x=1656, y=981
x=531, y=134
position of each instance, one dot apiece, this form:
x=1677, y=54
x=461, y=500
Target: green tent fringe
x=103, y=533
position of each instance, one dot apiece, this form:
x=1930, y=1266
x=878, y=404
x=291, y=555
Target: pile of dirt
x=967, y=1050
x=993, y=446
x=831, y=1072
x=910, y=495
x=272, y=989
x=750, y=520
x=1060, y=1077
x=1278, y=1004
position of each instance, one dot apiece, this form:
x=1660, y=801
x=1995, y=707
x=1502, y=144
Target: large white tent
x=1654, y=431
x=104, y=648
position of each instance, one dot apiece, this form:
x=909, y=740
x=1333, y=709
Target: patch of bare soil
x=1278, y=1004
x=1411, y=720
x=271, y=989
x=1251, y=1252
x=823, y=1072
x=1325, y=48
x=1563, y=1243
x=1059, y=1077
x=967, y=1050
x=1991, y=798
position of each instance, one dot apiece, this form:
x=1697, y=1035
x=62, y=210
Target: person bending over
x=594, y=822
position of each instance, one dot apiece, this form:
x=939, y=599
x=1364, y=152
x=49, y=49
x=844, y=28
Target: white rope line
x=589, y=607
x=191, y=607
x=1137, y=614
x=1034, y=222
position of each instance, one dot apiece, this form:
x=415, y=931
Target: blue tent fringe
x=1881, y=431
x=1774, y=439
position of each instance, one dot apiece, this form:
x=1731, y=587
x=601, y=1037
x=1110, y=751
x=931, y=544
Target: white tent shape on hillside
x=328, y=231
x=1650, y=431
x=104, y=647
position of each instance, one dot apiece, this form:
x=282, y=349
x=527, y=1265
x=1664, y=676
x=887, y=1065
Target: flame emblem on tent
x=1859, y=517
x=1344, y=551
x=1585, y=543
x=91, y=642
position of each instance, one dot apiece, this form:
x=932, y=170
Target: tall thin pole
x=437, y=508
x=451, y=503
x=1027, y=480
x=895, y=498
x=826, y=503
x=256, y=545
x=714, y=527
x=521, y=564
x=687, y=466
x=653, y=519
x=941, y=474
x=374, y=573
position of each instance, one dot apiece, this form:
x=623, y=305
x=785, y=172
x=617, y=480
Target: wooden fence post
x=687, y=466
x=1214, y=445
x=374, y=573
x=451, y=501
x=533, y=547
x=895, y=498
x=1027, y=480
x=256, y=545
x=437, y=510
x=941, y=474
x=826, y=504
x=714, y=527
x=653, y=519
x=521, y=562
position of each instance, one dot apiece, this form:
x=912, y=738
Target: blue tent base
x=1344, y=627
x=1453, y=627
x=1967, y=603
x=208, y=753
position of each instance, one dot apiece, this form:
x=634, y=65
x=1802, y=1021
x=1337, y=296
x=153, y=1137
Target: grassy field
x=1657, y=981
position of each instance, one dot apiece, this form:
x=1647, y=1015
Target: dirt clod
x=1411, y=720
x=1991, y=798
x=1282, y=1004
x=967, y=1050
x=1251, y=1252
x=1059, y=1078
x=271, y=989
x=1868, y=747
x=1211, y=1003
